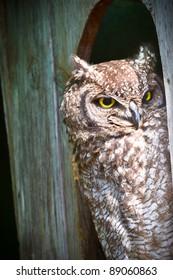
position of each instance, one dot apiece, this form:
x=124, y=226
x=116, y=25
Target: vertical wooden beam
x=36, y=39
x=162, y=12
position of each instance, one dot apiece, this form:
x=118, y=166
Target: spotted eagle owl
x=116, y=118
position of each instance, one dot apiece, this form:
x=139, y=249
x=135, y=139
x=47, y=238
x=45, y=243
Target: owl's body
x=121, y=148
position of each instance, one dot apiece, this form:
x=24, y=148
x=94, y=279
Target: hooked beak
x=136, y=113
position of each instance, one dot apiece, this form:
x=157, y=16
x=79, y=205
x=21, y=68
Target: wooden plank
x=162, y=12
x=36, y=39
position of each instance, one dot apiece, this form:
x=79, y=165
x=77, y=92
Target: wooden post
x=162, y=12
x=36, y=40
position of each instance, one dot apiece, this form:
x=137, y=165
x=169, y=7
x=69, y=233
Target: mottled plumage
x=116, y=118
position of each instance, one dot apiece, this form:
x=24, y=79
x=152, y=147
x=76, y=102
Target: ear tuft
x=78, y=63
x=146, y=57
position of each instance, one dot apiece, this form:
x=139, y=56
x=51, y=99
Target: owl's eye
x=106, y=102
x=147, y=97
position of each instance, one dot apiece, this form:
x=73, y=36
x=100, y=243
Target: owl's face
x=109, y=98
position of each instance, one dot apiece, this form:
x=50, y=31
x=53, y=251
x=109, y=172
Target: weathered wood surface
x=36, y=39
x=162, y=12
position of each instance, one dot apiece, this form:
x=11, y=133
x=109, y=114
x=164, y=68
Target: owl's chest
x=130, y=159
x=134, y=168
x=117, y=159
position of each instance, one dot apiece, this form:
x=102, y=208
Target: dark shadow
x=120, y=28
x=8, y=236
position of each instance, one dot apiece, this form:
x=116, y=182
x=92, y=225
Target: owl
x=116, y=119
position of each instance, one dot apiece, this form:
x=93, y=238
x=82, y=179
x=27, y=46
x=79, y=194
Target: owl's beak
x=136, y=113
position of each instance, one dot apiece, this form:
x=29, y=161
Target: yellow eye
x=106, y=102
x=147, y=97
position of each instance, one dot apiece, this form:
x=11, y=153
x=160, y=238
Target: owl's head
x=109, y=99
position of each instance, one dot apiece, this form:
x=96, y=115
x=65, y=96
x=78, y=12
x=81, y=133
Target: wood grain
x=37, y=38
